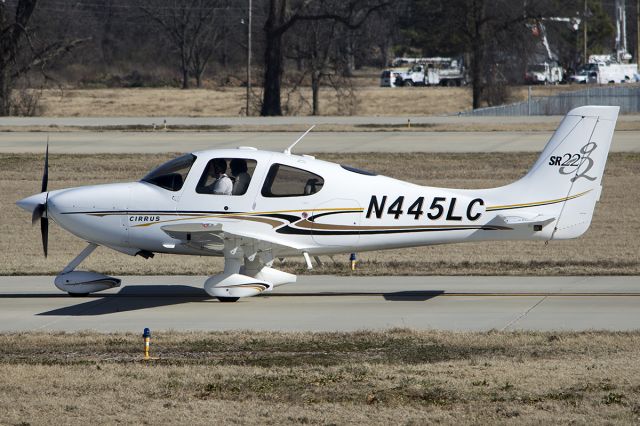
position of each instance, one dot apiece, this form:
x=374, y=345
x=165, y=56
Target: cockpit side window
x=287, y=181
x=172, y=174
x=226, y=176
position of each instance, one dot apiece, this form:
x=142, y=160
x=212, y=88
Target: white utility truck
x=544, y=73
x=603, y=69
x=435, y=72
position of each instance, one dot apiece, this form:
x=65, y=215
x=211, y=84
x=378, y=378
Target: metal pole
x=248, y=60
x=638, y=34
x=529, y=100
x=584, y=33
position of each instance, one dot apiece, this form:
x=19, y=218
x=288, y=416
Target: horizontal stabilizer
x=526, y=219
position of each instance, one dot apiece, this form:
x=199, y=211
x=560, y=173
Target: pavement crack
x=524, y=314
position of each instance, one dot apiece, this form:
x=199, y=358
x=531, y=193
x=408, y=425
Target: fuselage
x=325, y=207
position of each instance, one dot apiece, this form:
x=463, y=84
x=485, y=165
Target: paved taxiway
x=335, y=142
x=351, y=120
x=331, y=303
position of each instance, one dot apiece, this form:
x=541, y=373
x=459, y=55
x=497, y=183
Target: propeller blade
x=45, y=175
x=37, y=213
x=44, y=230
x=41, y=209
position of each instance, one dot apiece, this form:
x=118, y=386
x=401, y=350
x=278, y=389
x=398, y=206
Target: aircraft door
x=336, y=222
x=224, y=189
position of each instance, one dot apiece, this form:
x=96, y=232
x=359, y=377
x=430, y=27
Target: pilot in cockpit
x=222, y=184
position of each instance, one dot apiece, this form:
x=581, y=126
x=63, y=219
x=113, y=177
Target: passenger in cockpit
x=242, y=178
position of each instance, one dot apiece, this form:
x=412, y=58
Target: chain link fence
x=626, y=97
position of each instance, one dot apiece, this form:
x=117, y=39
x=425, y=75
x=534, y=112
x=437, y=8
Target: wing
x=212, y=237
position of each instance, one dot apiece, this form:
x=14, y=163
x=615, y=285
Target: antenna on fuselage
x=288, y=150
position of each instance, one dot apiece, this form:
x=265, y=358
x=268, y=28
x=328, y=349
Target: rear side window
x=287, y=181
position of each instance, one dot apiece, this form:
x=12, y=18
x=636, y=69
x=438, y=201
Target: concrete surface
x=331, y=303
x=278, y=121
x=154, y=142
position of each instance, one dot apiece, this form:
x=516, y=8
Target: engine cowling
x=84, y=282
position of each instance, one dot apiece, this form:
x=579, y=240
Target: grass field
x=610, y=247
x=393, y=377
x=232, y=101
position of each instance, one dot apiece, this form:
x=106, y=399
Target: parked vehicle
x=413, y=77
x=435, y=72
x=544, y=73
x=584, y=77
x=602, y=69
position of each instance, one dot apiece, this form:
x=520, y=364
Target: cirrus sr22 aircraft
x=283, y=205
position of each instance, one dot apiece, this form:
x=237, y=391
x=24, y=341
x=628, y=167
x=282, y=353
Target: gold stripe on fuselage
x=537, y=203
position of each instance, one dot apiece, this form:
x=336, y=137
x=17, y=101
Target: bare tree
x=191, y=28
x=315, y=55
x=204, y=46
x=489, y=32
x=283, y=14
x=21, y=50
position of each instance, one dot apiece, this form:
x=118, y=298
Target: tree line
x=316, y=43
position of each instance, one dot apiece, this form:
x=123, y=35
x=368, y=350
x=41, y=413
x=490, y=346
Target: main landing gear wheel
x=228, y=299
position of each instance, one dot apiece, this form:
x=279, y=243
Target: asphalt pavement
x=158, y=142
x=326, y=303
x=282, y=121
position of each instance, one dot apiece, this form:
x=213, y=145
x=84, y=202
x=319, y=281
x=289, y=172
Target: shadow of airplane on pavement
x=133, y=298
x=138, y=297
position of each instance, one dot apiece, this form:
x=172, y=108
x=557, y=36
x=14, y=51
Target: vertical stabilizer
x=568, y=173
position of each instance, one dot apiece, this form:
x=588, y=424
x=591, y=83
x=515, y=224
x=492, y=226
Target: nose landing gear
x=82, y=283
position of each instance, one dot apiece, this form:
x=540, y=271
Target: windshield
x=171, y=175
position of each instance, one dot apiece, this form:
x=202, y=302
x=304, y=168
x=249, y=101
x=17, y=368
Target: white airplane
x=283, y=205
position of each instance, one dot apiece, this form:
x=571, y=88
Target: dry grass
x=392, y=377
x=231, y=102
x=611, y=246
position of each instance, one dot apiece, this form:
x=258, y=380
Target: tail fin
x=567, y=177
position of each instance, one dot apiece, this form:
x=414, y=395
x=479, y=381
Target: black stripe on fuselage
x=315, y=216
x=288, y=217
